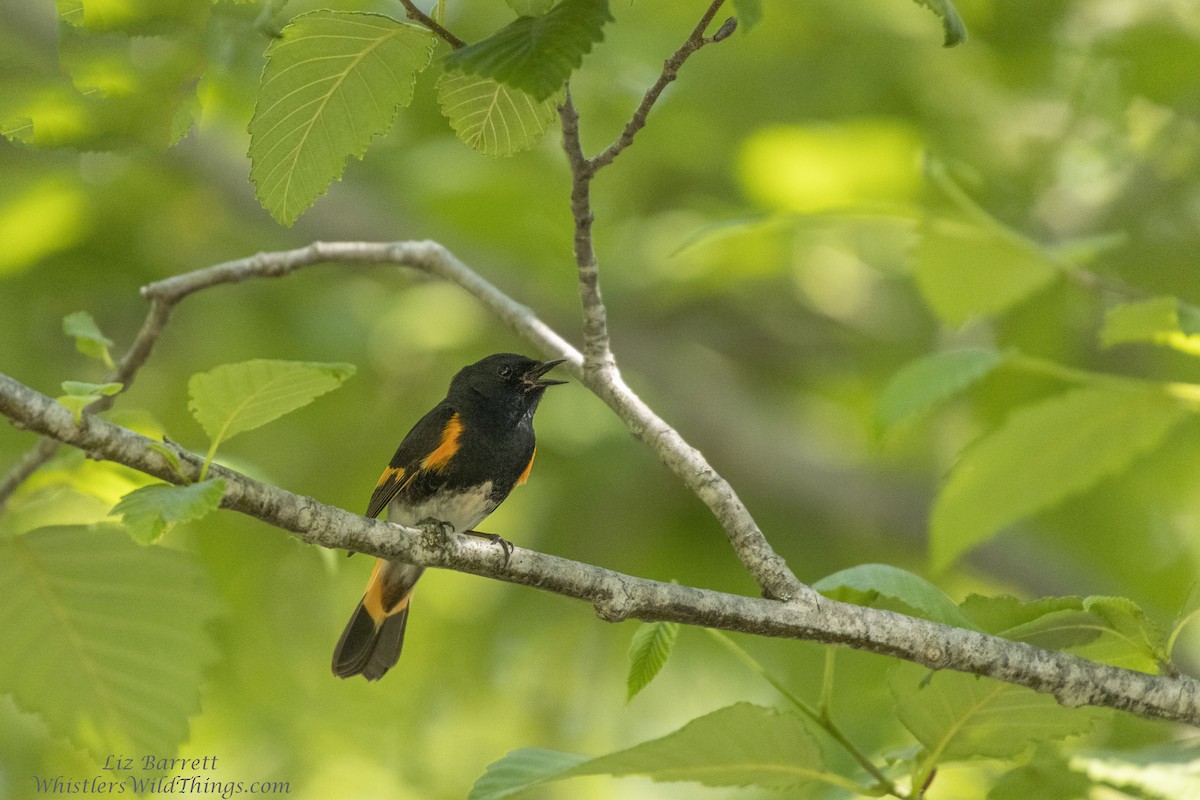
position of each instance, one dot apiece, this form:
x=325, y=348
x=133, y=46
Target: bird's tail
x=371, y=643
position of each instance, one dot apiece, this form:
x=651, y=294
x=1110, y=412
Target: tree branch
x=768, y=568
x=615, y=596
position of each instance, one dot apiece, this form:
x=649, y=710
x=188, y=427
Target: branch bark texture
x=615, y=596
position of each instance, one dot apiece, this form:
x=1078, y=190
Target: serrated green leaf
x=1042, y=455
x=333, y=81
x=927, y=381
x=649, y=650
x=1054, y=623
x=234, y=398
x=80, y=388
x=865, y=581
x=537, y=54
x=521, y=769
x=739, y=745
x=88, y=338
x=957, y=716
x=495, y=119
x=1127, y=619
x=965, y=270
x=749, y=13
x=105, y=640
x=1157, y=320
x=952, y=24
x=151, y=511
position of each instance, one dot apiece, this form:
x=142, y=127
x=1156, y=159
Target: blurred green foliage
x=815, y=204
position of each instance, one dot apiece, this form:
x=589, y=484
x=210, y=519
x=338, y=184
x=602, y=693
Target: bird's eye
x=506, y=371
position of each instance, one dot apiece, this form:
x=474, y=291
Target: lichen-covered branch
x=615, y=596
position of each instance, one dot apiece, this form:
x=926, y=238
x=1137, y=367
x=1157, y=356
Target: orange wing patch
x=525, y=475
x=445, y=451
x=391, y=473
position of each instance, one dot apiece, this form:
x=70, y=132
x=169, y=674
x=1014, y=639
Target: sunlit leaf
x=1165, y=772
x=648, y=651
x=234, y=398
x=863, y=583
x=333, y=81
x=952, y=24
x=537, y=54
x=1042, y=777
x=927, y=381
x=80, y=388
x=104, y=639
x=88, y=338
x=956, y=715
x=495, y=119
x=965, y=270
x=151, y=511
x=1157, y=321
x=1042, y=455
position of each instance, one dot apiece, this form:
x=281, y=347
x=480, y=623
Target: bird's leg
x=436, y=532
x=505, y=544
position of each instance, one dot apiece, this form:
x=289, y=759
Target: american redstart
x=455, y=466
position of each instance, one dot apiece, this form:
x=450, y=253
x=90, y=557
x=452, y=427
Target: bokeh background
x=756, y=253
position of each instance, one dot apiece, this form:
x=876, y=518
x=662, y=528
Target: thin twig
x=670, y=71
x=417, y=15
x=1074, y=681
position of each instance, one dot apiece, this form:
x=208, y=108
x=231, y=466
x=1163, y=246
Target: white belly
x=462, y=510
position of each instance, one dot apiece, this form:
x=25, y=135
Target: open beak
x=534, y=380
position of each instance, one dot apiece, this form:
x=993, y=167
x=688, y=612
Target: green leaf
x=867, y=581
x=958, y=716
x=967, y=270
x=1157, y=321
x=333, y=81
x=1045, y=776
x=1162, y=772
x=495, y=119
x=151, y=511
x=1187, y=612
x=1054, y=623
x=1042, y=455
x=927, y=381
x=82, y=389
x=1127, y=619
x=105, y=640
x=88, y=338
x=739, y=745
x=537, y=54
x=521, y=769
x=530, y=8
x=234, y=398
x=649, y=649
x=76, y=403
x=749, y=13
x=952, y=24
